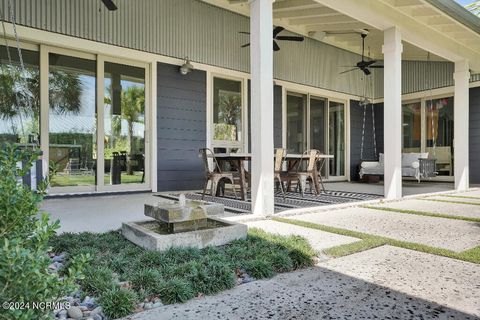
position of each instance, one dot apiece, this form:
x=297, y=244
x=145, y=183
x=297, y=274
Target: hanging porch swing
x=414, y=165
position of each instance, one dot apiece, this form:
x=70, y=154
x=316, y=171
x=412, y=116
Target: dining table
x=292, y=159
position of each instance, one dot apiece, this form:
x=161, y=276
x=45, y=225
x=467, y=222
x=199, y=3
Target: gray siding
x=356, y=125
x=181, y=128
x=193, y=28
x=474, y=136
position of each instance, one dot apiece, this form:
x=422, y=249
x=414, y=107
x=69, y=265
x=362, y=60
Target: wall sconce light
x=186, y=67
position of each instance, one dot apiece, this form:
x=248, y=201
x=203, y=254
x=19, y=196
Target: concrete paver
x=454, y=209
x=456, y=235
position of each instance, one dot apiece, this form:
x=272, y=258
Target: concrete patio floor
x=385, y=282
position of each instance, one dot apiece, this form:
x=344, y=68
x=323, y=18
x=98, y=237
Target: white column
x=261, y=69
x=392, y=55
x=460, y=125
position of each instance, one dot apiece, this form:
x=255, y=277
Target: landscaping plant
x=25, y=277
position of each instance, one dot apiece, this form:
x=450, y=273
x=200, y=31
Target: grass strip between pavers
x=370, y=241
x=449, y=201
x=423, y=213
x=461, y=197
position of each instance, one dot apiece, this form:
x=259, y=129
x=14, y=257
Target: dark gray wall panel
x=181, y=128
x=356, y=125
x=474, y=135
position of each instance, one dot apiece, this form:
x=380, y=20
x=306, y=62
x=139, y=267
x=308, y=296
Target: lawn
x=62, y=180
x=123, y=276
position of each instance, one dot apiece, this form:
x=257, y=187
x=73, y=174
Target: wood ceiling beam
x=304, y=13
x=335, y=19
x=294, y=4
x=337, y=27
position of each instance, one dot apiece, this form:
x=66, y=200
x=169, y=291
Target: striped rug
x=292, y=200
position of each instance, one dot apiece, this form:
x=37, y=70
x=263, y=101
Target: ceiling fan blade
x=277, y=30
x=275, y=46
x=348, y=70
x=110, y=5
x=376, y=67
x=244, y=32
x=290, y=38
x=245, y=45
x=366, y=71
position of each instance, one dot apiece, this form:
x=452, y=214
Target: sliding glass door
x=336, y=138
x=72, y=121
x=316, y=123
x=428, y=127
x=296, y=122
x=124, y=123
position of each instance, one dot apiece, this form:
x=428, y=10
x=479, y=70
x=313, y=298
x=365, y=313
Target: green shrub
x=24, y=242
x=152, y=259
x=259, y=268
x=98, y=280
x=280, y=261
x=175, y=290
x=147, y=280
x=117, y=303
x=219, y=276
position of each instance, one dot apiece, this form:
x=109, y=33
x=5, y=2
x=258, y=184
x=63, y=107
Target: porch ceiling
x=419, y=21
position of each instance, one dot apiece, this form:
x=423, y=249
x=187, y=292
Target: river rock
x=75, y=312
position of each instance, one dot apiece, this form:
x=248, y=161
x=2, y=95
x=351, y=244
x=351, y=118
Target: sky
x=464, y=2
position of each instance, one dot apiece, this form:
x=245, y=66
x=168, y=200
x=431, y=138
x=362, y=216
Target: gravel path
x=456, y=235
x=382, y=283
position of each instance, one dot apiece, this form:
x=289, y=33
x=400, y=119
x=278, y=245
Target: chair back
x=206, y=153
x=311, y=157
x=280, y=154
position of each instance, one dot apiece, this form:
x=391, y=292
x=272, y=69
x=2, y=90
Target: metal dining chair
x=280, y=175
x=307, y=174
x=214, y=175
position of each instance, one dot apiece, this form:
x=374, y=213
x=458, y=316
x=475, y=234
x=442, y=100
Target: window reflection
x=227, y=110
x=72, y=120
x=19, y=97
x=124, y=124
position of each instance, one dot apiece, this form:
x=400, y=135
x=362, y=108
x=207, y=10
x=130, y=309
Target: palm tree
x=133, y=105
x=20, y=92
x=474, y=7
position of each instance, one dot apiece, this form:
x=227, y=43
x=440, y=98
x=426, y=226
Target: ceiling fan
x=364, y=65
x=110, y=5
x=276, y=31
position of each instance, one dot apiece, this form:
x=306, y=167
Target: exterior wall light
x=186, y=67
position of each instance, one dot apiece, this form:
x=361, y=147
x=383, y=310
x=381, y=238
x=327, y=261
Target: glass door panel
x=19, y=97
x=124, y=121
x=318, y=126
x=439, y=133
x=336, y=136
x=296, y=122
x=72, y=120
x=411, y=127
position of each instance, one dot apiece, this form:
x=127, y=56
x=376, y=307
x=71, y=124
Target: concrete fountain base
x=150, y=235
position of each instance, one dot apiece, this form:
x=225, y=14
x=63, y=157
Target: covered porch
x=398, y=31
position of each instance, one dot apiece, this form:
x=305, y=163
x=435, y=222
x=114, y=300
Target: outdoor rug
x=292, y=200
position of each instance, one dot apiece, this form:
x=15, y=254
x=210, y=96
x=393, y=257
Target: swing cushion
x=410, y=165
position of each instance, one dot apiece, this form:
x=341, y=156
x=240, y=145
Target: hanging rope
x=434, y=141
